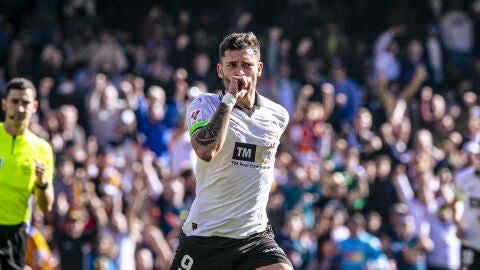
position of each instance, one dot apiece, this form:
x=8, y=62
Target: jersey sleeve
x=46, y=157
x=200, y=111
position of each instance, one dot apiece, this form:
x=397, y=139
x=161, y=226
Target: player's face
x=240, y=63
x=19, y=106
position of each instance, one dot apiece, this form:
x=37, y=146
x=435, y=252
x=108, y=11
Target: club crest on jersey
x=26, y=168
x=276, y=131
x=196, y=116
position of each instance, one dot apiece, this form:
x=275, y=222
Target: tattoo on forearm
x=211, y=132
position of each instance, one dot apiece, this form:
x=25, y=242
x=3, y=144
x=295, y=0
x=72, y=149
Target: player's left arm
x=44, y=192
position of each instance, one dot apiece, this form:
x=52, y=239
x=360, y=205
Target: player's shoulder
x=205, y=98
x=278, y=110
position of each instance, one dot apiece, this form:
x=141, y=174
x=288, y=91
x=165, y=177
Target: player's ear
x=260, y=68
x=35, y=105
x=219, y=70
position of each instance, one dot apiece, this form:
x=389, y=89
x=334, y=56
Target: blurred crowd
x=383, y=101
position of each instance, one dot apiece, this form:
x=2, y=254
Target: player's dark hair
x=239, y=41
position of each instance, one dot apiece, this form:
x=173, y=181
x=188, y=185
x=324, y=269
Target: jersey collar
x=257, y=104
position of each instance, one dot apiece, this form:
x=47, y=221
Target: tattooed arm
x=207, y=140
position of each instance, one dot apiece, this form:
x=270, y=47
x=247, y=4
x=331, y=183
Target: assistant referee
x=26, y=168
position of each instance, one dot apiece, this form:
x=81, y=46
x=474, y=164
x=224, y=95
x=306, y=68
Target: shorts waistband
x=7, y=229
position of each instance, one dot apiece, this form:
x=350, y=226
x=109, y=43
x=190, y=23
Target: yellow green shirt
x=17, y=172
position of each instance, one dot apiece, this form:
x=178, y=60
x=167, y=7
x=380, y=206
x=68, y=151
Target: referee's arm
x=44, y=193
x=44, y=198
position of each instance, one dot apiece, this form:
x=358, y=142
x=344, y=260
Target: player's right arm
x=209, y=139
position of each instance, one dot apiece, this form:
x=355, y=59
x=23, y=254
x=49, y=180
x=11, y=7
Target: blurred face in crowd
x=337, y=185
x=144, y=259
x=315, y=112
x=19, y=106
x=76, y=223
x=474, y=124
x=338, y=74
x=371, y=168
x=201, y=64
x=445, y=214
x=445, y=176
x=295, y=224
x=405, y=228
x=424, y=139
x=356, y=224
x=106, y=246
x=156, y=104
x=68, y=116
x=415, y=51
x=174, y=192
x=439, y=106
x=384, y=167
x=363, y=119
x=374, y=222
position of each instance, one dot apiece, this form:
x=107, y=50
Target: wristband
x=42, y=187
x=229, y=100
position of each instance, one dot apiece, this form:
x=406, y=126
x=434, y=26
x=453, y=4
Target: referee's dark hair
x=20, y=83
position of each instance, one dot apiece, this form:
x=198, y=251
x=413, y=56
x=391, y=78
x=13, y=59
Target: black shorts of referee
x=13, y=245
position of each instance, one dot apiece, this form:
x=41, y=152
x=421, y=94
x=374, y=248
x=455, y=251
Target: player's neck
x=248, y=101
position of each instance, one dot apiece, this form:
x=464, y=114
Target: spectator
x=347, y=96
x=421, y=202
x=144, y=259
x=105, y=107
x=466, y=212
x=296, y=240
x=382, y=195
x=360, y=250
x=408, y=250
x=386, y=53
x=361, y=136
x=457, y=32
x=180, y=151
x=446, y=250
x=38, y=254
x=434, y=55
x=282, y=88
x=202, y=71
x=155, y=117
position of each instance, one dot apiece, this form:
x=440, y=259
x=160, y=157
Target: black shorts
x=222, y=253
x=13, y=245
x=470, y=258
